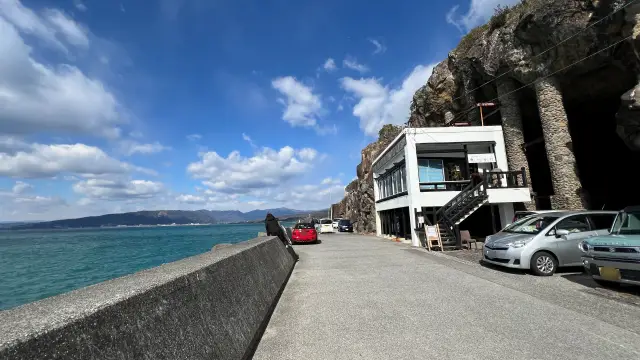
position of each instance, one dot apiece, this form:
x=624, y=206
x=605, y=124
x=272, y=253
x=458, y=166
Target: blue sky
x=110, y=106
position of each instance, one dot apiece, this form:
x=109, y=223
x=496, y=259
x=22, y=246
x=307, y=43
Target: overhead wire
x=549, y=75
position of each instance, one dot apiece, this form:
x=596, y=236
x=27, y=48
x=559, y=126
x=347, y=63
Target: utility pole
x=480, y=105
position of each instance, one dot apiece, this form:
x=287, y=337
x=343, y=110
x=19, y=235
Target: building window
x=392, y=183
x=431, y=171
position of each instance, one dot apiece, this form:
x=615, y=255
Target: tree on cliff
x=389, y=132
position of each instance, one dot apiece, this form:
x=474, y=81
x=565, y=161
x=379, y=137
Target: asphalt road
x=362, y=297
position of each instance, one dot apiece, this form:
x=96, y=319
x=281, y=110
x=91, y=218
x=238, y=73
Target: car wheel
x=543, y=264
x=606, y=284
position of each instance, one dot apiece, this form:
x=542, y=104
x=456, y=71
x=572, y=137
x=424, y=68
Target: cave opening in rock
x=534, y=148
x=605, y=164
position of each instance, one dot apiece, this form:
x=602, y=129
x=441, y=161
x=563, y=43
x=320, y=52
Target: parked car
x=304, y=233
x=522, y=214
x=335, y=223
x=543, y=242
x=345, y=226
x=615, y=257
x=325, y=226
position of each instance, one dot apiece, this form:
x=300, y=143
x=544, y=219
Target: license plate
x=490, y=253
x=609, y=273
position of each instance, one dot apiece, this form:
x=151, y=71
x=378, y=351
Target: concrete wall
x=210, y=306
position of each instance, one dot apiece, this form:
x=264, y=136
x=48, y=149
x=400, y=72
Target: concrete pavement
x=362, y=297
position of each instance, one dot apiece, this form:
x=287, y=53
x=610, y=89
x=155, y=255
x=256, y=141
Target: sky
x=114, y=106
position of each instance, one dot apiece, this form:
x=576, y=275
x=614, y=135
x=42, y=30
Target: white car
x=325, y=226
x=335, y=224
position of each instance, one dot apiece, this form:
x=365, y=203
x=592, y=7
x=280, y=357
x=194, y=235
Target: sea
x=38, y=264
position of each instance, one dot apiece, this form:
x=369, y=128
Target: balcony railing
x=506, y=179
x=494, y=180
x=458, y=185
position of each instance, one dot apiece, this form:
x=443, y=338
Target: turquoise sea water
x=38, y=264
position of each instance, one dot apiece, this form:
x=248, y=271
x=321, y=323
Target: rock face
x=358, y=204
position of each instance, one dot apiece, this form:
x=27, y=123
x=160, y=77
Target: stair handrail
x=478, y=190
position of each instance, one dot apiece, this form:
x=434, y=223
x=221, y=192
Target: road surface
x=359, y=297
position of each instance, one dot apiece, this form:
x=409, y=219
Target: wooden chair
x=466, y=238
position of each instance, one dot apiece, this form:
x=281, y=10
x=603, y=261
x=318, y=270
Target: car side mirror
x=561, y=232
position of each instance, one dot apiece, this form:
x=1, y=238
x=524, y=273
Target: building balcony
x=501, y=186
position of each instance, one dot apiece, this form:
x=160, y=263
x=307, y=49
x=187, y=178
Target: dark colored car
x=345, y=226
x=304, y=233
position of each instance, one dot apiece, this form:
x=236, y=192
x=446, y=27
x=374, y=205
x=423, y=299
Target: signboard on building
x=481, y=158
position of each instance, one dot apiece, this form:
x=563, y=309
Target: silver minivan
x=545, y=241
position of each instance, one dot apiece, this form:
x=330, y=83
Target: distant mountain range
x=165, y=217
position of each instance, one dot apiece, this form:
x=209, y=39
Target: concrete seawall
x=210, y=306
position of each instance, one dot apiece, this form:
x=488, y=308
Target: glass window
x=574, y=224
x=627, y=223
x=531, y=224
x=431, y=171
x=602, y=221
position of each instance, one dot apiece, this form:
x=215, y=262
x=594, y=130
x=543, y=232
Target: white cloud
x=194, y=137
x=379, y=105
x=302, y=106
x=129, y=148
x=36, y=204
x=42, y=161
x=21, y=187
x=480, y=11
x=380, y=48
x=80, y=6
x=69, y=29
x=248, y=139
x=106, y=189
x=308, y=154
x=352, y=63
x=38, y=98
x=330, y=181
x=238, y=174
x=191, y=199
x=329, y=65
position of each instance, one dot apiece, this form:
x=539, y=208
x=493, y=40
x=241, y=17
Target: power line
x=549, y=49
x=546, y=76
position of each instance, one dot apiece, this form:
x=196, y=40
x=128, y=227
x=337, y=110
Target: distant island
x=166, y=217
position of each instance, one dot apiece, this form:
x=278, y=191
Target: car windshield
x=531, y=224
x=522, y=215
x=325, y=222
x=345, y=222
x=304, y=226
x=627, y=223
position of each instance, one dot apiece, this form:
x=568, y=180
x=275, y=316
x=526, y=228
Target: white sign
x=481, y=158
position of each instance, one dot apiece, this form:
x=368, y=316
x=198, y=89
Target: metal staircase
x=449, y=216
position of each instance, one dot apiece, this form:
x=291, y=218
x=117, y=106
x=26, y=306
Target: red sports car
x=304, y=233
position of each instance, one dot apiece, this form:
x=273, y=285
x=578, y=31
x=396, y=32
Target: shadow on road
x=502, y=268
x=308, y=243
x=587, y=281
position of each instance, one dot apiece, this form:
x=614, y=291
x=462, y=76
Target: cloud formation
x=108, y=189
x=37, y=98
x=45, y=161
x=380, y=48
x=329, y=65
x=351, y=63
x=239, y=175
x=379, y=104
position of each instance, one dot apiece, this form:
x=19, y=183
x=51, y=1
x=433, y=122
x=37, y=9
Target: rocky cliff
x=533, y=39
x=358, y=204
x=556, y=71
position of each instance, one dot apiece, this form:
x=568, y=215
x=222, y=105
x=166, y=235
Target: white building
x=444, y=175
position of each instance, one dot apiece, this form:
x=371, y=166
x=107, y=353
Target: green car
x=615, y=258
